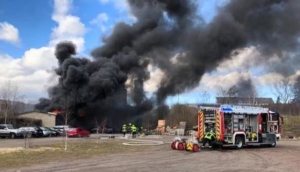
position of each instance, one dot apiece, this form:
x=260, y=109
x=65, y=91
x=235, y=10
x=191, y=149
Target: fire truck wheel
x=239, y=142
x=173, y=145
x=180, y=146
x=195, y=148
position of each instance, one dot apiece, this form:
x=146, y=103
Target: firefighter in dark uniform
x=124, y=130
x=209, y=137
x=129, y=128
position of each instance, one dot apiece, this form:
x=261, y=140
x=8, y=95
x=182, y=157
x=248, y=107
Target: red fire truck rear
x=240, y=126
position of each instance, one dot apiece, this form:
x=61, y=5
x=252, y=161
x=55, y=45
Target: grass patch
x=291, y=126
x=55, y=152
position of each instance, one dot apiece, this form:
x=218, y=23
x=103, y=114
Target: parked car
x=109, y=129
x=61, y=133
x=62, y=128
x=47, y=132
x=105, y=129
x=54, y=132
x=95, y=130
x=34, y=131
x=8, y=130
x=78, y=132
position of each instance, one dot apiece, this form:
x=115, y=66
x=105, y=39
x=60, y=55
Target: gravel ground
x=284, y=157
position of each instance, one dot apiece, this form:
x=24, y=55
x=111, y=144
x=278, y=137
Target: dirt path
x=285, y=157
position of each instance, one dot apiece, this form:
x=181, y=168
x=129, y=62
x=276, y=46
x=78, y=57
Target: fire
x=56, y=112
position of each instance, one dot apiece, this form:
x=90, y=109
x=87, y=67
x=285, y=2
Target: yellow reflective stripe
x=189, y=146
x=218, y=126
x=201, y=125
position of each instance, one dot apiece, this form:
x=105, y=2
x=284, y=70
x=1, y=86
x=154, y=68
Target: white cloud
x=33, y=69
x=9, y=33
x=61, y=9
x=121, y=5
x=100, y=20
x=69, y=27
x=39, y=59
x=10, y=67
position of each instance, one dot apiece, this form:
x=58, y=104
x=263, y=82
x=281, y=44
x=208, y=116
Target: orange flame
x=56, y=112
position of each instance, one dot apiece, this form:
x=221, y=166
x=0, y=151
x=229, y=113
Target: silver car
x=8, y=130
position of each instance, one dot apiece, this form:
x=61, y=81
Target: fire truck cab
x=240, y=126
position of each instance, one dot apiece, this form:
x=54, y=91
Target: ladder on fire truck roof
x=243, y=109
x=227, y=108
x=209, y=107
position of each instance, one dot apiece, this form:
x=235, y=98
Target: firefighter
x=129, y=128
x=142, y=130
x=124, y=130
x=254, y=136
x=133, y=130
x=208, y=138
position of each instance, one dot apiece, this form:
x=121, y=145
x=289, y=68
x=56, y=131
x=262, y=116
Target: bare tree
x=98, y=126
x=27, y=139
x=103, y=124
x=180, y=113
x=227, y=95
x=149, y=121
x=204, y=97
x=231, y=92
x=284, y=90
x=66, y=112
x=66, y=123
x=11, y=100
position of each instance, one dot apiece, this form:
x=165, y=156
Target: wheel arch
x=239, y=134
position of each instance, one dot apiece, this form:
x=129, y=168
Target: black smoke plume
x=244, y=88
x=163, y=29
x=89, y=91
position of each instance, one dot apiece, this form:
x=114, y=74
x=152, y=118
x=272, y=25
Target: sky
x=29, y=33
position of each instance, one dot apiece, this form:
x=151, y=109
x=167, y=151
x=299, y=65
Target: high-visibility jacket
x=209, y=135
x=133, y=128
x=124, y=129
x=253, y=135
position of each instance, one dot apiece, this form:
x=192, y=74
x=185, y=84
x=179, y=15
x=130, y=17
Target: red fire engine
x=240, y=126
